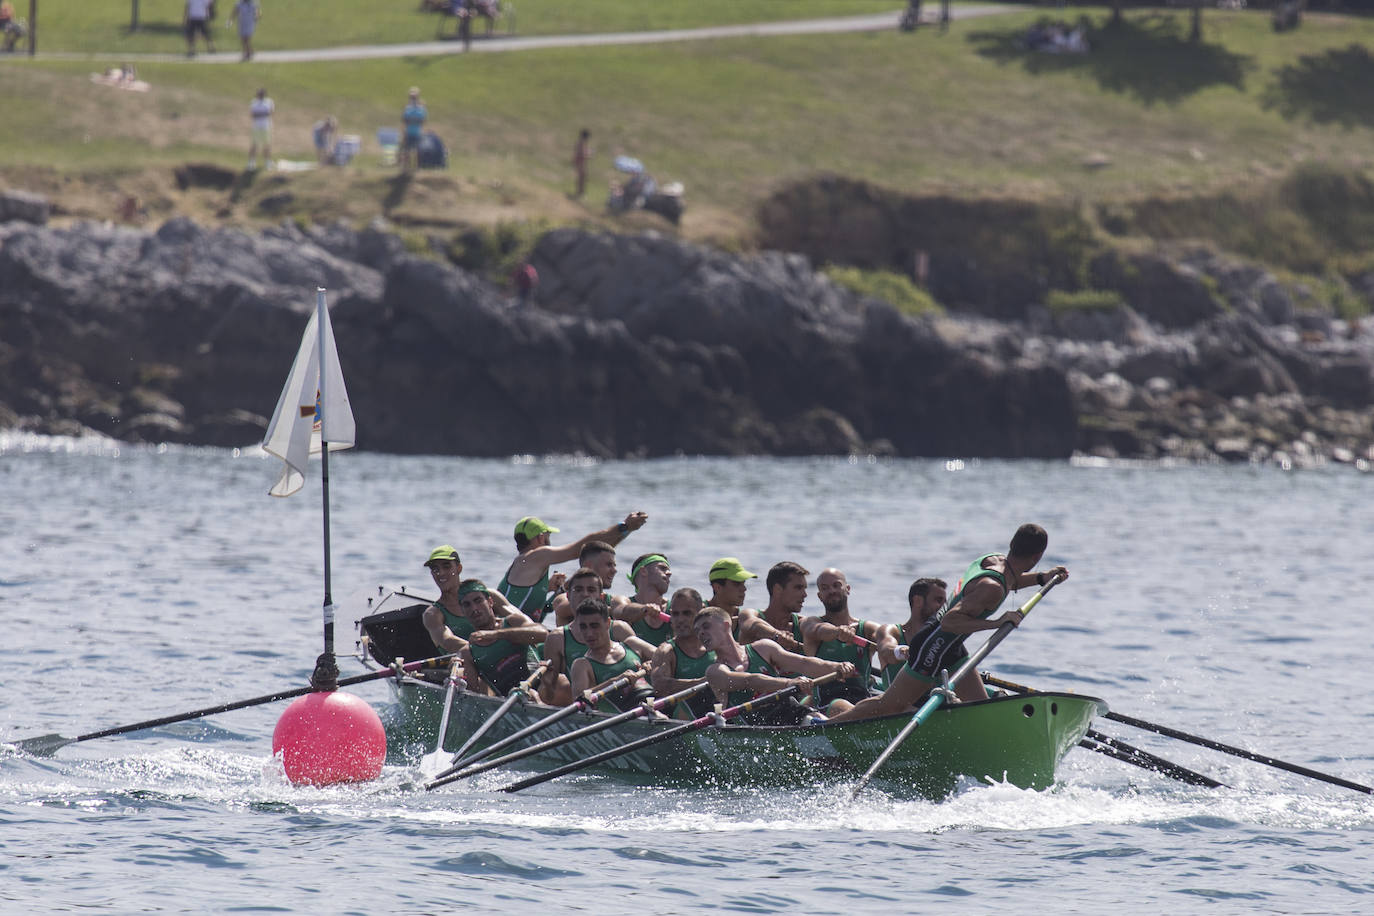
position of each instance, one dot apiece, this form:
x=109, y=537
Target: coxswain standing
x=526, y=583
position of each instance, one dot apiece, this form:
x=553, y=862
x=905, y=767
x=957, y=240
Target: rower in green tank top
x=780, y=620
x=924, y=598
x=681, y=662
x=646, y=609
x=744, y=671
x=447, y=629
x=495, y=657
x=556, y=685
x=838, y=636
x=604, y=659
x=940, y=641
x=526, y=583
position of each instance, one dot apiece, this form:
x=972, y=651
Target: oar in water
x=668, y=735
x=937, y=698
x=586, y=731
x=1128, y=753
x=516, y=693
x=47, y=745
x=434, y=761
x=1168, y=732
x=586, y=701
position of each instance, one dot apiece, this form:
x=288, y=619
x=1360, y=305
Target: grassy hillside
x=1146, y=114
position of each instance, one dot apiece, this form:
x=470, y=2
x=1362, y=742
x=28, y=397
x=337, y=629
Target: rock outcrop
x=637, y=346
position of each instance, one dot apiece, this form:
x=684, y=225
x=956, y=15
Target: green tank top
x=756, y=666
x=687, y=668
x=975, y=572
x=572, y=648
x=460, y=626
x=835, y=651
x=528, y=599
x=654, y=636
x=603, y=672
x=796, y=629
x=488, y=658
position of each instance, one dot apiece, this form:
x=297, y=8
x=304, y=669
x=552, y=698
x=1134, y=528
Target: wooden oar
x=1128, y=753
x=937, y=698
x=47, y=745
x=516, y=693
x=1168, y=732
x=586, y=701
x=434, y=761
x=580, y=733
x=668, y=735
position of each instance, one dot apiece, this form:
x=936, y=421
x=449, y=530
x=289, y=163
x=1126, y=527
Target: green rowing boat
x=1017, y=739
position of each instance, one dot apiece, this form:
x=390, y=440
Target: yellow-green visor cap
x=729, y=568
x=530, y=527
x=446, y=552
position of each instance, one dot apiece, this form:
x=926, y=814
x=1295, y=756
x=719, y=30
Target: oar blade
x=43, y=745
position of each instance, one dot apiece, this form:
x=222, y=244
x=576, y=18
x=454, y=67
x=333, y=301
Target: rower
x=598, y=556
x=780, y=621
x=939, y=644
x=526, y=582
x=647, y=607
x=832, y=636
x=496, y=655
x=729, y=579
x=682, y=661
x=604, y=659
x=443, y=619
x=743, y=671
x=925, y=598
x=563, y=647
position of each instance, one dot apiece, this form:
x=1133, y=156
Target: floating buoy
x=330, y=737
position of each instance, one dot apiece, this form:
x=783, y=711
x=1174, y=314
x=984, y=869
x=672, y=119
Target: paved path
x=498, y=44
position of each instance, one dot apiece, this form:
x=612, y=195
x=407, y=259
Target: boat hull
x=1016, y=739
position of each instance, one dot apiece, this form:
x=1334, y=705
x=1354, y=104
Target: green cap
x=650, y=560
x=446, y=552
x=473, y=585
x=530, y=527
x=729, y=568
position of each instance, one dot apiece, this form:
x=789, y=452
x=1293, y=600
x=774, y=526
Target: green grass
x=893, y=288
x=963, y=113
x=104, y=27
x=1058, y=300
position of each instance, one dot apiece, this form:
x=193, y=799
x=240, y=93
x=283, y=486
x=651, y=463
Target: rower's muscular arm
x=782, y=660
x=965, y=617
x=1039, y=578
x=754, y=628
x=549, y=556
x=887, y=642
x=439, y=632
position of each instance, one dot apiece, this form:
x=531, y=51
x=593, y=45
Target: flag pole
x=326, y=674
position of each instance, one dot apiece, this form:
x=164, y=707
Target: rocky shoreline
x=644, y=345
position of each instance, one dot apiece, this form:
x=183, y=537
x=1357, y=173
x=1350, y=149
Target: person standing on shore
x=260, y=110
x=413, y=119
x=582, y=155
x=197, y=19
x=246, y=13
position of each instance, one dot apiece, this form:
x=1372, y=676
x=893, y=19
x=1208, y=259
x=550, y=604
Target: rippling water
x=136, y=582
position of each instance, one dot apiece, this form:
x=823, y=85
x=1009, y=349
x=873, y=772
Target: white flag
x=313, y=406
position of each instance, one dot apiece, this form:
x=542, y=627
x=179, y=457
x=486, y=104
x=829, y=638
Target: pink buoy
x=330, y=737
